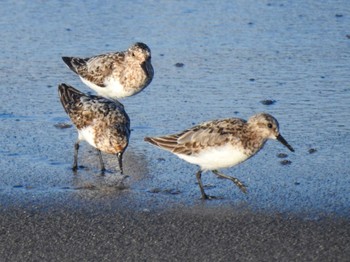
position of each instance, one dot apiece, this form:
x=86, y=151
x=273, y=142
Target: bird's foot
x=240, y=185
x=208, y=197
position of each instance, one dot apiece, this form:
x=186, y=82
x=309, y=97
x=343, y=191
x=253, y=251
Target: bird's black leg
x=120, y=161
x=103, y=169
x=238, y=183
x=76, y=149
x=199, y=179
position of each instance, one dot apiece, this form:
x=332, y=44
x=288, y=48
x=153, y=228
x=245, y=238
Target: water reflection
x=89, y=183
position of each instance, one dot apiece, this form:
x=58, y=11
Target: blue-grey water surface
x=235, y=54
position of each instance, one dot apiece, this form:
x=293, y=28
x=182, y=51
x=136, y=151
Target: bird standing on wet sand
x=115, y=75
x=101, y=122
x=221, y=144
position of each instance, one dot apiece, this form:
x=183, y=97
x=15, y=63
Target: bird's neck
x=255, y=143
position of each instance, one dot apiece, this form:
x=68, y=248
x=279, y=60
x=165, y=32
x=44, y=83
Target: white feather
x=87, y=134
x=216, y=157
x=112, y=89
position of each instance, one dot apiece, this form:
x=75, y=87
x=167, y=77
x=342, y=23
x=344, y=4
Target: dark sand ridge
x=182, y=233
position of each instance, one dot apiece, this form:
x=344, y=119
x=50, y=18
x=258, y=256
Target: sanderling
x=115, y=75
x=221, y=143
x=101, y=122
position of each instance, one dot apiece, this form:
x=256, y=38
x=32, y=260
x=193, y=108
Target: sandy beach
x=92, y=232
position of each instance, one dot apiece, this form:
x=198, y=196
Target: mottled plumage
x=115, y=75
x=221, y=143
x=103, y=123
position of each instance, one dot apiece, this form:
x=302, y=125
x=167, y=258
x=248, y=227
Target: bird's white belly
x=216, y=157
x=87, y=134
x=112, y=89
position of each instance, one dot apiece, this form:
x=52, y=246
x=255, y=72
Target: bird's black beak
x=284, y=142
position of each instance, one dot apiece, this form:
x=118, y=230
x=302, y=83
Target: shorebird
x=101, y=122
x=115, y=75
x=221, y=144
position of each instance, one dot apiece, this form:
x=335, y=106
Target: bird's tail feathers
x=74, y=62
x=68, y=95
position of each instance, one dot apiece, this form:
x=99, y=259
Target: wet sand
x=94, y=233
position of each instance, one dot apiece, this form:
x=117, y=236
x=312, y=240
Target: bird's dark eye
x=269, y=125
x=132, y=54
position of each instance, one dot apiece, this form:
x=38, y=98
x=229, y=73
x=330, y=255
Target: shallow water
x=235, y=55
